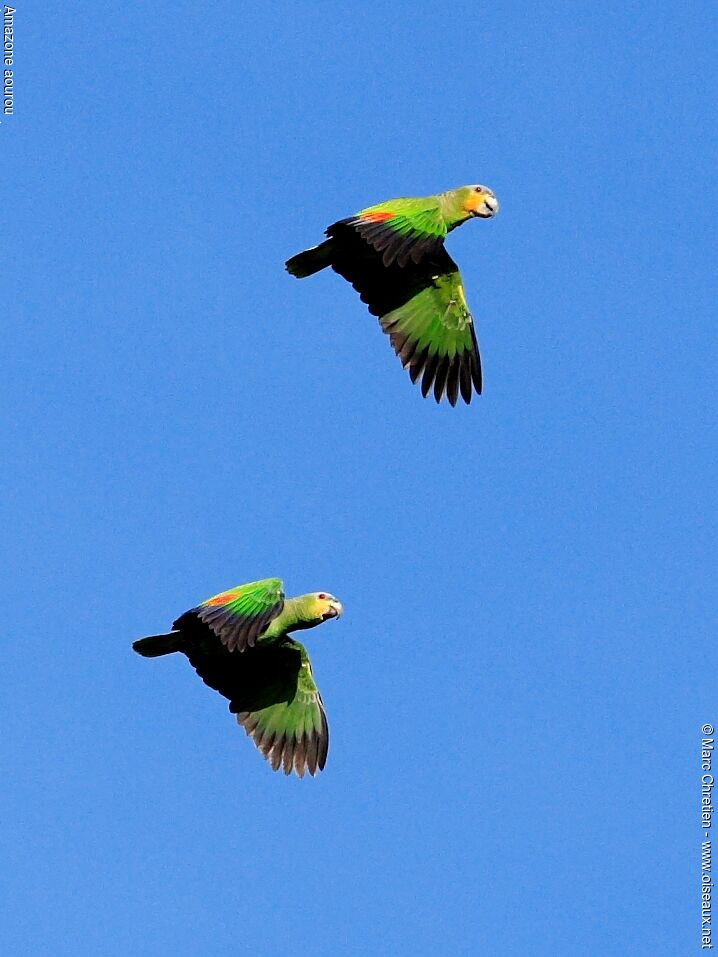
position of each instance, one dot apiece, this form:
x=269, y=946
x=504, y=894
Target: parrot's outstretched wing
x=422, y=306
x=272, y=691
x=240, y=616
x=402, y=230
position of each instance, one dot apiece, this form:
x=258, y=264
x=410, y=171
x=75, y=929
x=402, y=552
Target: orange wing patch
x=222, y=599
x=377, y=217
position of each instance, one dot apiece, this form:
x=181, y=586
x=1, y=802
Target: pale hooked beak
x=489, y=207
x=335, y=610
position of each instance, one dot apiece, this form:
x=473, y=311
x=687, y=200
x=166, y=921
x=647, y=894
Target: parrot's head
x=325, y=606
x=479, y=201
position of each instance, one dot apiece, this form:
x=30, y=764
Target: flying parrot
x=394, y=256
x=239, y=643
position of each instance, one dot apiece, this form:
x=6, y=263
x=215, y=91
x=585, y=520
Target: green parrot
x=239, y=643
x=394, y=256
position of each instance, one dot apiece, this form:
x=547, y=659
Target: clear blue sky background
x=517, y=688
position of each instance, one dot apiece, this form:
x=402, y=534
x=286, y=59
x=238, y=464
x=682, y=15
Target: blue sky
x=517, y=688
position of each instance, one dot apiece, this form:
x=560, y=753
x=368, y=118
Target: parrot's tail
x=311, y=260
x=155, y=645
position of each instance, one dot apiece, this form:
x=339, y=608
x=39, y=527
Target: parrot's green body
x=239, y=644
x=393, y=254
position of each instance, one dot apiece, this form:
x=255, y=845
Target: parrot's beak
x=334, y=611
x=488, y=207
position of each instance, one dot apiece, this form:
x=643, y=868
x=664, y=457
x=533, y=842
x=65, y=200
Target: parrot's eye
x=322, y=596
x=479, y=189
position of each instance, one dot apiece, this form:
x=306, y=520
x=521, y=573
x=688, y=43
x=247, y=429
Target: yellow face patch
x=321, y=606
x=475, y=200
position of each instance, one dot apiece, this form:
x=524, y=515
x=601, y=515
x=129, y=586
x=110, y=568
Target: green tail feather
x=155, y=645
x=311, y=260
